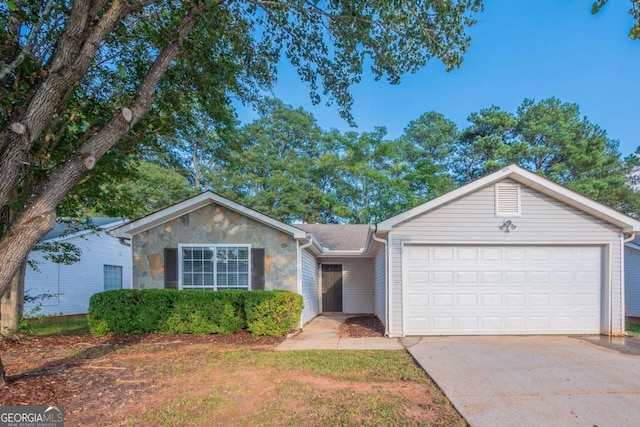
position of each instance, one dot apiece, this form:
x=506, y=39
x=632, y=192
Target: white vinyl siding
x=358, y=278
x=112, y=277
x=632, y=281
x=379, y=289
x=472, y=219
x=310, y=287
x=72, y=285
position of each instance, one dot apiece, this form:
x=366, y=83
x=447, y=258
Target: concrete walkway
x=536, y=380
x=323, y=333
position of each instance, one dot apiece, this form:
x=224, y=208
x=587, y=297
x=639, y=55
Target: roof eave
x=204, y=199
x=105, y=227
x=537, y=182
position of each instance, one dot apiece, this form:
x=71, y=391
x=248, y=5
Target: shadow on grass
x=110, y=344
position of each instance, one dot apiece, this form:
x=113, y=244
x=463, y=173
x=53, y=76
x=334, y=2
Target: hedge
x=206, y=312
x=273, y=313
x=135, y=311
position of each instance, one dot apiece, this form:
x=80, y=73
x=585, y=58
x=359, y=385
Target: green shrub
x=114, y=311
x=206, y=312
x=154, y=308
x=134, y=311
x=130, y=311
x=273, y=313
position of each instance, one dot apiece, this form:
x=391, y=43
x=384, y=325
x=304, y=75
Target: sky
x=519, y=49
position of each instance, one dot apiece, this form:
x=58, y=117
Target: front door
x=332, y=288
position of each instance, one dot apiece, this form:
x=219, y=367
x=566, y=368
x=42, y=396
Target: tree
x=153, y=187
x=484, y=146
x=59, y=57
x=548, y=137
x=427, y=144
x=273, y=168
x=634, y=11
x=370, y=177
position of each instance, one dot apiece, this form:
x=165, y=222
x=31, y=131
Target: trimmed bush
x=130, y=311
x=113, y=311
x=205, y=312
x=134, y=311
x=154, y=309
x=273, y=313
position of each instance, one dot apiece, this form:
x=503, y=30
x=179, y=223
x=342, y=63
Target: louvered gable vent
x=507, y=199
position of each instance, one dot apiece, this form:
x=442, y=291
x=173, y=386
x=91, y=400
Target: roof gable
x=204, y=199
x=529, y=179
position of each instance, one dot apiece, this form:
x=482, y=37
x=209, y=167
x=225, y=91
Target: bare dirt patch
x=361, y=327
x=55, y=369
x=211, y=380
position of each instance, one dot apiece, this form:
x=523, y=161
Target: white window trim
x=104, y=283
x=215, y=268
x=500, y=214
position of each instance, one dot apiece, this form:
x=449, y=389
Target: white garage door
x=481, y=290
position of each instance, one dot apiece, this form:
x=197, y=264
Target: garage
x=502, y=289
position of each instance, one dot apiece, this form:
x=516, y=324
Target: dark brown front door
x=332, y=288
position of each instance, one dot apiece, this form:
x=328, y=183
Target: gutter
x=329, y=252
x=374, y=229
x=632, y=246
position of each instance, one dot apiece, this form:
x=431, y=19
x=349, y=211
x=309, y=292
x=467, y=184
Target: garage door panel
x=467, y=300
x=443, y=300
x=502, y=290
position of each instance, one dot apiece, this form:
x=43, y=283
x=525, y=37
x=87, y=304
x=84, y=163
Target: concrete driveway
x=536, y=380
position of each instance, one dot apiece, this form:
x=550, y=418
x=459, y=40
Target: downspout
x=299, y=266
x=386, y=279
x=123, y=241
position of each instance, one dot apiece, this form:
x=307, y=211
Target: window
x=112, y=277
x=214, y=267
x=507, y=199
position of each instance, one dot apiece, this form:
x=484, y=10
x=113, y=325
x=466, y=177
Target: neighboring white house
x=632, y=278
x=510, y=253
x=104, y=264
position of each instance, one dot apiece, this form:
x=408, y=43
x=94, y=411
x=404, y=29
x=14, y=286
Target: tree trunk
x=11, y=304
x=38, y=216
x=3, y=375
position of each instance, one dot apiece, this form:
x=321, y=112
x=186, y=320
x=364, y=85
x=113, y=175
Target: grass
x=317, y=388
x=62, y=325
x=633, y=327
x=240, y=386
x=369, y=366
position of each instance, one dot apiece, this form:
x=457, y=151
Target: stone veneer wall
x=214, y=224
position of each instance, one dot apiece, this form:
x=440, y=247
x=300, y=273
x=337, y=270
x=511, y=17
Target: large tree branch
x=38, y=217
x=27, y=48
x=80, y=40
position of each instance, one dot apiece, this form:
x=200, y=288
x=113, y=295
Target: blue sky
x=519, y=49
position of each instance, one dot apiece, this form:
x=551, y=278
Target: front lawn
x=633, y=327
x=240, y=380
x=63, y=325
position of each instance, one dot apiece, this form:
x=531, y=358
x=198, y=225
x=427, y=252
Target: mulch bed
x=362, y=327
x=55, y=369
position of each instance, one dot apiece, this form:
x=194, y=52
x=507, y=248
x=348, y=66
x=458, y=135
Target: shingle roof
x=64, y=229
x=338, y=237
